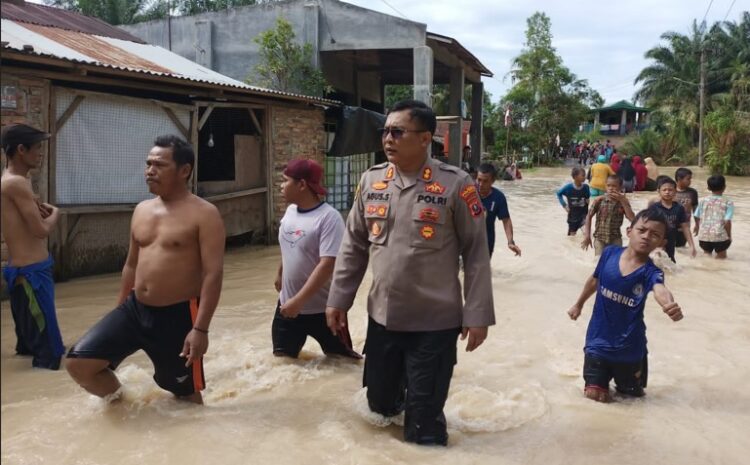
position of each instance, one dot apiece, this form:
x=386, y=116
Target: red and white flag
x=507, y=117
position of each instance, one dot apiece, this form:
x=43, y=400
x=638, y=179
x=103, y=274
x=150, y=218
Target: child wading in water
x=677, y=217
x=616, y=336
x=713, y=219
x=685, y=196
x=610, y=210
x=578, y=195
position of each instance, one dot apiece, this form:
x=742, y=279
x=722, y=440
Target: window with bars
x=342, y=177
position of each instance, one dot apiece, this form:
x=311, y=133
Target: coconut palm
x=734, y=63
x=671, y=80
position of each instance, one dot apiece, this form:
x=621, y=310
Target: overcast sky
x=602, y=41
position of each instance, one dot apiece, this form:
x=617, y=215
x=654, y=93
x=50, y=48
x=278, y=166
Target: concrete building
x=360, y=51
x=104, y=95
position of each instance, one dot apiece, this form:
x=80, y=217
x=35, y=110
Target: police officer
x=414, y=217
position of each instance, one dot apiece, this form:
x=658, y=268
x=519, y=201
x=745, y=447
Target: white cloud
x=598, y=40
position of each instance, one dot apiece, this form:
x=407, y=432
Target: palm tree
x=670, y=83
x=116, y=12
x=672, y=79
x=734, y=64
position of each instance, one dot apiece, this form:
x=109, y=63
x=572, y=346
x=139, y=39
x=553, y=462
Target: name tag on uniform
x=383, y=196
x=423, y=198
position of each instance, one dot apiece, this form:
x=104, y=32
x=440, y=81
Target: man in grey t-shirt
x=310, y=235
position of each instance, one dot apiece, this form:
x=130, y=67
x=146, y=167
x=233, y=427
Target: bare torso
x=169, y=258
x=24, y=248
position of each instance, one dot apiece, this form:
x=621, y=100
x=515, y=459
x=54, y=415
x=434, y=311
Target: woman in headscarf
x=627, y=173
x=614, y=162
x=641, y=173
x=652, y=174
x=511, y=173
x=598, y=176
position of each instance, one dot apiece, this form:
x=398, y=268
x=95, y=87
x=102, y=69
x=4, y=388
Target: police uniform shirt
x=414, y=232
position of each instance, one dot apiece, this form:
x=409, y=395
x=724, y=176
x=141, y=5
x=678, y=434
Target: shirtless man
x=26, y=223
x=176, y=256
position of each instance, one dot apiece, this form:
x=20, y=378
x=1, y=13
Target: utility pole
x=702, y=90
x=169, y=24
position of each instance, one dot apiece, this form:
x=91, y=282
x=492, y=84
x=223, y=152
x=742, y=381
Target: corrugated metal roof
x=119, y=54
x=462, y=52
x=56, y=17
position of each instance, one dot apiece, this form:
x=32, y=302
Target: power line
x=397, y=11
x=707, y=10
x=629, y=82
x=730, y=9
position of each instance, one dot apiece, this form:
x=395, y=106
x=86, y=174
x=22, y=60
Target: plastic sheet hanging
x=357, y=132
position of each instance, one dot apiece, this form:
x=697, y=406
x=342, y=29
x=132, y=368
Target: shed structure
x=105, y=95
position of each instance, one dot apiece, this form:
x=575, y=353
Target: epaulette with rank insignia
x=379, y=166
x=451, y=168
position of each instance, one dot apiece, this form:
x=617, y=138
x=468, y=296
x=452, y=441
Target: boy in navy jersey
x=616, y=336
x=677, y=218
x=495, y=207
x=578, y=195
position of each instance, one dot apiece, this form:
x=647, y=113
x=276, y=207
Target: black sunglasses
x=397, y=133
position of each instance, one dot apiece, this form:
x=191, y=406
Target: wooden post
x=507, y=140
x=194, y=142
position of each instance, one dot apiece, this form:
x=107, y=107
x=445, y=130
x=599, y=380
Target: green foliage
x=664, y=148
x=728, y=134
x=286, y=65
x=670, y=86
x=118, y=12
x=192, y=7
x=592, y=135
x=396, y=93
x=546, y=99
x=115, y=12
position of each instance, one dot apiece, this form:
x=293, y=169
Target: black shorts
x=575, y=223
x=669, y=247
x=680, y=240
x=630, y=378
x=289, y=335
x=717, y=247
x=159, y=331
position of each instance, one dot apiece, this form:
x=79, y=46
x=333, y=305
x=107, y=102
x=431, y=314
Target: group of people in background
x=637, y=173
x=604, y=201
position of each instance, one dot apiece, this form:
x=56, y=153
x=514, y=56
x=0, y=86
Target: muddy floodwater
x=516, y=400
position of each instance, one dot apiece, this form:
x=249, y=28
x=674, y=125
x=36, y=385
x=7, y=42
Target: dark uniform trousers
x=411, y=371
